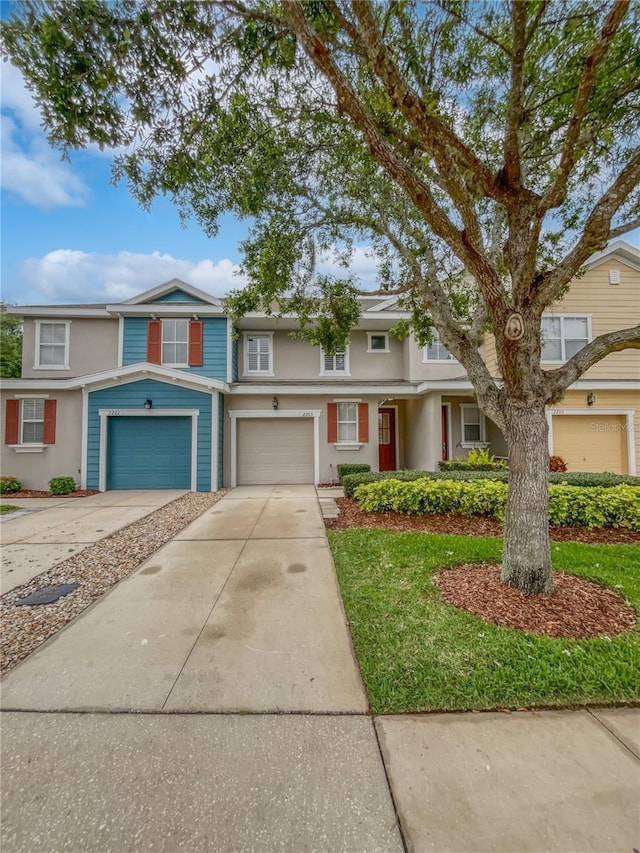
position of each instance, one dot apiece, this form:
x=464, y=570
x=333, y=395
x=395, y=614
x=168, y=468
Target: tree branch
x=511, y=168
x=624, y=229
x=555, y=196
x=557, y=381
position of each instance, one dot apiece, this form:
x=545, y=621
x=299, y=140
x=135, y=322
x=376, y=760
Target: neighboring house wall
x=93, y=346
x=62, y=459
x=132, y=395
x=421, y=370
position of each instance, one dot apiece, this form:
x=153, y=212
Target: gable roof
x=174, y=284
x=619, y=250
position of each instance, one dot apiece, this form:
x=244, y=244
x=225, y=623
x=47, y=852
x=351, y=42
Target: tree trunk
x=526, y=561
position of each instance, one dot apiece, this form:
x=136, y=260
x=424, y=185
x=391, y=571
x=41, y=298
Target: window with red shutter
x=195, y=343
x=154, y=342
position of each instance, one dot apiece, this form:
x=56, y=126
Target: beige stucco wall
x=62, y=459
x=420, y=370
x=295, y=359
x=93, y=347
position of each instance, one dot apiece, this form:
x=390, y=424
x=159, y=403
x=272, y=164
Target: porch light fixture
x=591, y=398
x=275, y=403
x=148, y=404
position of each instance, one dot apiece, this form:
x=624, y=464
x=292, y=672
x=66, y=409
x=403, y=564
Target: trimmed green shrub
x=62, y=485
x=586, y=480
x=569, y=506
x=351, y=468
x=478, y=460
x=9, y=484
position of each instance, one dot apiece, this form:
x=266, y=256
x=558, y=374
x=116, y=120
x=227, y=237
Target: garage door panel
x=275, y=450
x=591, y=442
x=149, y=453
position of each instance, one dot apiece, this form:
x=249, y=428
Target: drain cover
x=48, y=594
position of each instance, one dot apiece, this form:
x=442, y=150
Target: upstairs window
x=175, y=343
x=52, y=345
x=335, y=365
x=378, y=342
x=436, y=351
x=258, y=354
x=563, y=336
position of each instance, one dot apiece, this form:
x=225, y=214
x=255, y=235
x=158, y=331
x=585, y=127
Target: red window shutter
x=154, y=342
x=332, y=422
x=12, y=422
x=49, y=429
x=195, y=343
x=363, y=422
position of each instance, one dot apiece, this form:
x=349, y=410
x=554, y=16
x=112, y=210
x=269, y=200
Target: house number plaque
x=514, y=328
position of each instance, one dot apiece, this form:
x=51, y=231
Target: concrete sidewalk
x=250, y=729
x=48, y=530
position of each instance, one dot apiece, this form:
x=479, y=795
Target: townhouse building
x=159, y=391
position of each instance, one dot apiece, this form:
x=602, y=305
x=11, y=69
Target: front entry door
x=445, y=433
x=387, y=440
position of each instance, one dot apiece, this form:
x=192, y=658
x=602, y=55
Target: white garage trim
x=85, y=438
x=234, y=414
x=215, y=424
x=594, y=413
x=147, y=413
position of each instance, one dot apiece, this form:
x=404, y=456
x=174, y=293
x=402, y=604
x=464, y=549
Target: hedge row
x=569, y=506
x=591, y=480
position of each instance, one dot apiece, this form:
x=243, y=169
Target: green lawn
x=418, y=654
x=4, y=508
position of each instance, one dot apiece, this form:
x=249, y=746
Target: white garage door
x=275, y=450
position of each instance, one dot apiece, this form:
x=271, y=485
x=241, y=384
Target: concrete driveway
x=48, y=530
x=250, y=729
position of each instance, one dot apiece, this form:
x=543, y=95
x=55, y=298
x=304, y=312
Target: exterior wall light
x=275, y=403
x=591, y=398
x=148, y=404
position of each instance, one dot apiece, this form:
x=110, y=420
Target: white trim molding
x=245, y=353
x=215, y=428
x=629, y=414
x=105, y=414
x=30, y=396
x=482, y=442
x=229, y=352
x=28, y=448
x=234, y=414
x=345, y=372
x=384, y=335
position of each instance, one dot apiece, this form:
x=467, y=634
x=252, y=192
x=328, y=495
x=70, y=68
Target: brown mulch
x=472, y=525
x=34, y=493
x=578, y=609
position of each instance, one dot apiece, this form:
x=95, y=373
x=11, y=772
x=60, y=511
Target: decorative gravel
x=96, y=569
x=578, y=609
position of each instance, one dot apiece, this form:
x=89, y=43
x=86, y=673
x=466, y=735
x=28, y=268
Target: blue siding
x=165, y=396
x=214, y=345
x=178, y=295
x=221, y=401
x=234, y=362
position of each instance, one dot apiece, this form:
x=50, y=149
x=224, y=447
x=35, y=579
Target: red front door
x=387, y=440
x=445, y=433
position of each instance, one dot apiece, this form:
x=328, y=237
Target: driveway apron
x=240, y=612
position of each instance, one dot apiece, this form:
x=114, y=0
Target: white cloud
x=30, y=167
x=362, y=264
x=67, y=275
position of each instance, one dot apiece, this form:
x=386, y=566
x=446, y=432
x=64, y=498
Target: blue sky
x=68, y=235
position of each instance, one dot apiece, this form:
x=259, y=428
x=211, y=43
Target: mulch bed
x=578, y=609
x=34, y=493
x=473, y=525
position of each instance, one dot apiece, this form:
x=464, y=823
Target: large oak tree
x=484, y=151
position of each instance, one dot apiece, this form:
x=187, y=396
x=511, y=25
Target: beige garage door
x=591, y=442
x=275, y=450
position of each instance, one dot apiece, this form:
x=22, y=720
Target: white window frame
x=562, y=318
x=384, y=335
x=164, y=341
x=325, y=372
x=36, y=362
x=245, y=347
x=450, y=359
x=483, y=431
x=356, y=422
x=24, y=420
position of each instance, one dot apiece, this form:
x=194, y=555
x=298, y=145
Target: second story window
x=377, y=342
x=563, y=335
x=335, y=365
x=258, y=354
x=175, y=343
x=436, y=351
x=52, y=345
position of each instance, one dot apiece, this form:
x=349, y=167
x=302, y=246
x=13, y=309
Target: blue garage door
x=149, y=453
